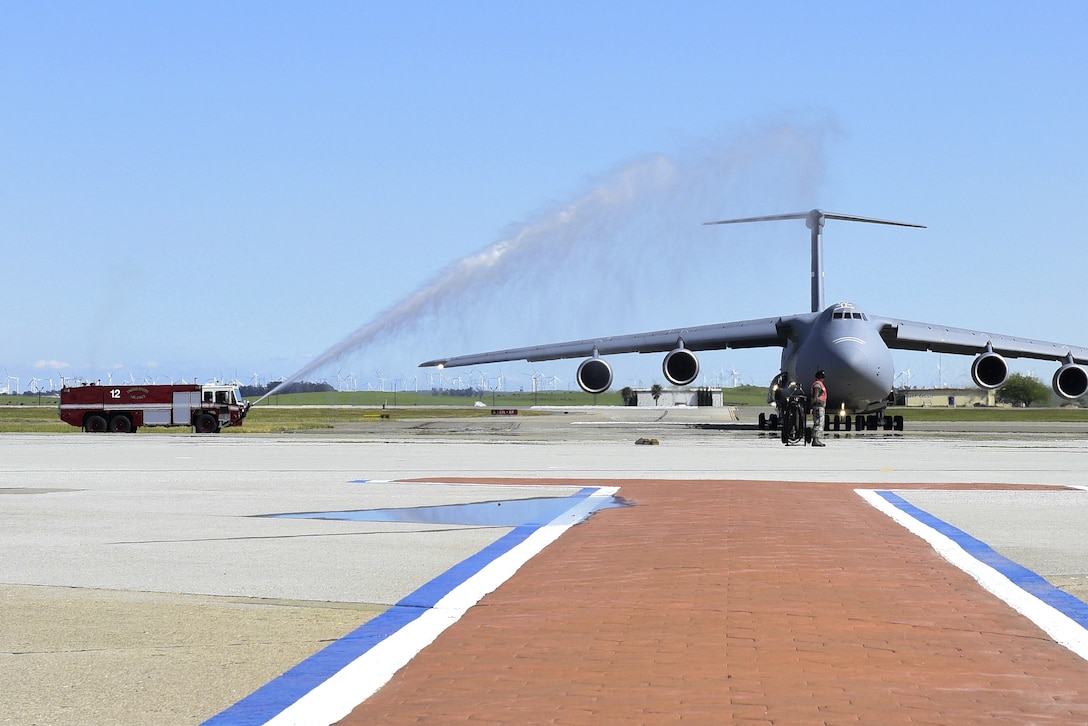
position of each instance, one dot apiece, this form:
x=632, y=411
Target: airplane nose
x=852, y=355
x=861, y=372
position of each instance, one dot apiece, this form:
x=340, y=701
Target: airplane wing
x=761, y=333
x=908, y=335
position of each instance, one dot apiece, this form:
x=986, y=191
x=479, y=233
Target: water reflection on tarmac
x=508, y=513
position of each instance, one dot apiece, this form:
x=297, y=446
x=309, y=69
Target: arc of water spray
x=654, y=185
x=491, y=263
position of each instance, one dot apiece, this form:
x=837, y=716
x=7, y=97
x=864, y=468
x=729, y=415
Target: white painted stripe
x=336, y=697
x=1059, y=626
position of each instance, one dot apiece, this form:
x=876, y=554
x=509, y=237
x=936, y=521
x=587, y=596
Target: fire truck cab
x=123, y=409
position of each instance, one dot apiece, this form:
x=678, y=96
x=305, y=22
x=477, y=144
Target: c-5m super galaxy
x=853, y=347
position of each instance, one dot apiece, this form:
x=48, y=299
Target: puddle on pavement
x=505, y=513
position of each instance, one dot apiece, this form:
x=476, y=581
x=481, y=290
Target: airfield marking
x=326, y=686
x=1062, y=616
x=730, y=600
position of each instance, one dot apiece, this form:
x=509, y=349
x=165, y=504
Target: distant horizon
x=615, y=390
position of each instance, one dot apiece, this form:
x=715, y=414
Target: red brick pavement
x=733, y=601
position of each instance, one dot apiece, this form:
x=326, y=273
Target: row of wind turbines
x=435, y=380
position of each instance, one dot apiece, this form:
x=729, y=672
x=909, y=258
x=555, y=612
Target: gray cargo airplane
x=852, y=347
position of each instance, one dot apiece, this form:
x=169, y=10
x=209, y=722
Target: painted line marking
x=1062, y=616
x=325, y=687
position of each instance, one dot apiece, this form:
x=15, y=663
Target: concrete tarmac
x=145, y=578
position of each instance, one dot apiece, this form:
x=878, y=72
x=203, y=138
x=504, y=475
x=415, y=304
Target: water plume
x=637, y=226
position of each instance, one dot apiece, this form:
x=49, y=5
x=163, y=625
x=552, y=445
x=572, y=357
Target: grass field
x=281, y=413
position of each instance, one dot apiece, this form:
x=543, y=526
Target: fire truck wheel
x=205, y=423
x=94, y=424
x=120, y=424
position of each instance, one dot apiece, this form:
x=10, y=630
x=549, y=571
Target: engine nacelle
x=1070, y=381
x=681, y=367
x=594, y=375
x=989, y=370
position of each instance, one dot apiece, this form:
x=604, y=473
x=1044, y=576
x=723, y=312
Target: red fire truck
x=121, y=409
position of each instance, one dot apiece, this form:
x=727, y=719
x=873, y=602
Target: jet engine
x=594, y=375
x=989, y=370
x=1070, y=381
x=681, y=367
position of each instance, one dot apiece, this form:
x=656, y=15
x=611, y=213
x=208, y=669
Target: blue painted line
x=426, y=596
x=270, y=699
x=278, y=694
x=1019, y=575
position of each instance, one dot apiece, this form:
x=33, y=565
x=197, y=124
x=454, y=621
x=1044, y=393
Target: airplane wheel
x=762, y=421
x=847, y=421
x=888, y=423
x=898, y=423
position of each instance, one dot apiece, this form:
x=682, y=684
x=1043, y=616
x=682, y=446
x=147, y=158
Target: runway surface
x=149, y=578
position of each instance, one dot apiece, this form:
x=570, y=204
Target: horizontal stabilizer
x=817, y=214
x=814, y=220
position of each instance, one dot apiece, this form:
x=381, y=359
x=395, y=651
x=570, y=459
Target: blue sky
x=200, y=190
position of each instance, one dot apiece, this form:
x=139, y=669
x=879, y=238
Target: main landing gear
x=863, y=422
x=842, y=422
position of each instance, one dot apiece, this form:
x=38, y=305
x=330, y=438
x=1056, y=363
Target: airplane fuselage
x=844, y=343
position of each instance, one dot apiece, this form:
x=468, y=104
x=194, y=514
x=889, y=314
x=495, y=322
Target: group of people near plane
x=817, y=400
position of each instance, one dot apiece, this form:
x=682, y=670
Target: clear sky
x=229, y=190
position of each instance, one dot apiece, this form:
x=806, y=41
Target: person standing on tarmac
x=819, y=404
